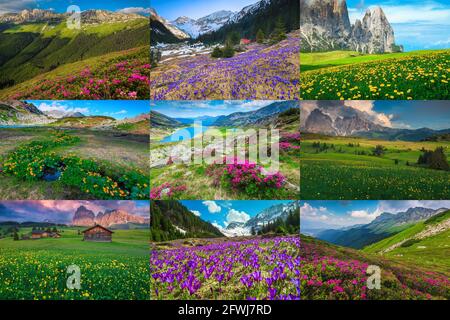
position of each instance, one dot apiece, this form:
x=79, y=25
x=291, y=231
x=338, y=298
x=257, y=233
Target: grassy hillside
x=346, y=169
x=414, y=246
x=333, y=272
x=82, y=122
x=105, y=77
x=32, y=49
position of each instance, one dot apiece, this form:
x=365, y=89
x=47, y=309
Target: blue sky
x=416, y=114
x=222, y=212
x=396, y=114
x=172, y=9
x=112, y=108
x=418, y=24
x=61, y=211
x=194, y=109
x=61, y=5
x=336, y=214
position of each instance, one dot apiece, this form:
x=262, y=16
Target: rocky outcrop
x=21, y=113
x=344, y=121
x=87, y=17
x=85, y=217
x=105, y=16
x=325, y=26
x=112, y=217
x=35, y=15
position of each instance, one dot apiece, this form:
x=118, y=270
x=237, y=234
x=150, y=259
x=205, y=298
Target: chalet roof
x=97, y=225
x=38, y=231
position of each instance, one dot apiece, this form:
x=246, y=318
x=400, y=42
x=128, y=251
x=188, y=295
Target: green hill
x=30, y=49
x=425, y=243
x=82, y=122
x=171, y=220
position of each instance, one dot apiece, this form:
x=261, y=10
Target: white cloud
x=218, y=226
x=212, y=206
x=364, y=214
x=237, y=216
x=197, y=213
x=8, y=6
x=135, y=10
x=428, y=12
x=367, y=107
x=57, y=106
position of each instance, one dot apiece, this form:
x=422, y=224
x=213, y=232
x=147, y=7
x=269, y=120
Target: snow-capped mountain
x=249, y=10
x=266, y=216
x=162, y=30
x=209, y=23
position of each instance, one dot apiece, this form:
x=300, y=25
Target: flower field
x=35, y=161
x=352, y=173
x=330, y=272
x=125, y=77
x=252, y=269
x=260, y=73
x=37, y=269
x=422, y=76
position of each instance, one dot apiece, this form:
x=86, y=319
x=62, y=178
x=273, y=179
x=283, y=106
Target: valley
x=174, y=175
x=191, y=258
x=43, y=57
x=42, y=157
x=348, y=154
x=219, y=56
x=410, y=246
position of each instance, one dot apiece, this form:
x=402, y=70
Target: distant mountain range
x=325, y=26
x=110, y=218
x=256, y=223
x=159, y=120
x=21, y=113
x=214, y=27
x=348, y=121
x=261, y=117
x=207, y=24
x=383, y=226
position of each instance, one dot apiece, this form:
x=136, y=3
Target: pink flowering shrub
x=124, y=78
x=329, y=272
x=166, y=191
x=248, y=177
x=290, y=141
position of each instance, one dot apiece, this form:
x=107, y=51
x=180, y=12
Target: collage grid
x=226, y=150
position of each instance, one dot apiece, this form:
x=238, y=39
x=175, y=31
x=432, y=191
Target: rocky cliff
x=85, y=217
x=325, y=26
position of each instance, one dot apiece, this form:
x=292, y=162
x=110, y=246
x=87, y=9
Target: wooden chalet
x=97, y=233
x=39, y=234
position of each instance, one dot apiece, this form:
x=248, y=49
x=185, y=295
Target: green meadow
x=37, y=269
x=348, y=170
x=124, y=152
x=349, y=75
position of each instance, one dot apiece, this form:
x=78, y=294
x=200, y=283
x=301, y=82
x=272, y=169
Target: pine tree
x=260, y=36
